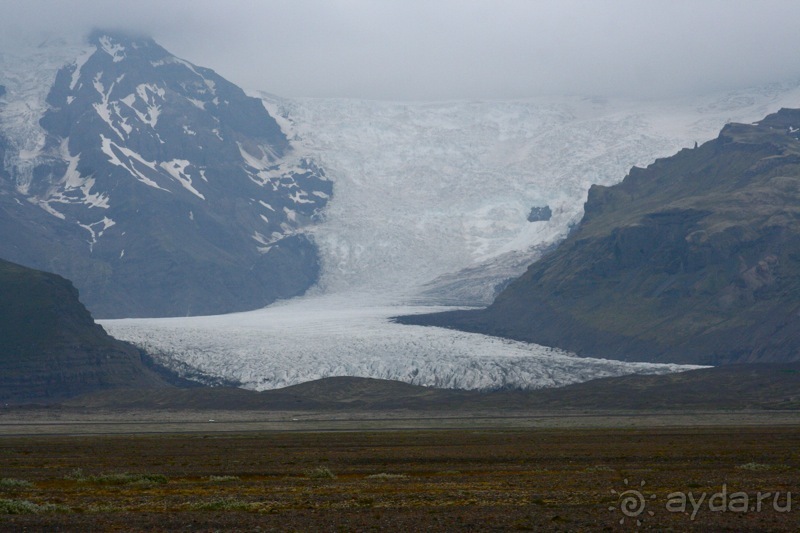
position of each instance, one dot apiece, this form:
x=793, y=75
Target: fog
x=450, y=49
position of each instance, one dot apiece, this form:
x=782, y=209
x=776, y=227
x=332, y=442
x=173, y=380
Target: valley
x=442, y=222
x=345, y=214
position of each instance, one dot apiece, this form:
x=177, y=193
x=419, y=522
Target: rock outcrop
x=51, y=348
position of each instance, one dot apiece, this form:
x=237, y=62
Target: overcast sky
x=452, y=49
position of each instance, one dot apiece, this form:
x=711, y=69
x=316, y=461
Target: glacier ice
x=341, y=335
x=430, y=208
x=27, y=74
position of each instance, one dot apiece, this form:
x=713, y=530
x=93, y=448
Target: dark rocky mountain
x=167, y=190
x=51, y=348
x=695, y=259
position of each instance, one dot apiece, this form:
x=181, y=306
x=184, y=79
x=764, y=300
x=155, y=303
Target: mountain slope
x=695, y=259
x=51, y=348
x=186, y=195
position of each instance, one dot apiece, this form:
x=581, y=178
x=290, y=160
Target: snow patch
x=79, y=62
x=47, y=207
x=300, y=197
x=74, y=181
x=200, y=105
x=263, y=160
x=149, y=94
x=133, y=162
x=96, y=234
x=104, y=108
x=177, y=169
x=115, y=50
x=291, y=214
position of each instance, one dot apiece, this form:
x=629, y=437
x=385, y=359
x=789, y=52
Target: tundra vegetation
x=437, y=480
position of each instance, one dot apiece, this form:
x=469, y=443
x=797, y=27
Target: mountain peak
x=154, y=157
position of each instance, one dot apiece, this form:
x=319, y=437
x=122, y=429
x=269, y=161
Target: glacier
x=430, y=210
x=27, y=74
x=339, y=335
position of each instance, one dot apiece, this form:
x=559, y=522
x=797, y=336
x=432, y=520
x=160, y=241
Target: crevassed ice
x=427, y=191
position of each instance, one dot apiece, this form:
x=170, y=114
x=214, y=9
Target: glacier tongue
x=431, y=206
x=344, y=335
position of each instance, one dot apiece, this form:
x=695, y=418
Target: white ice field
x=430, y=207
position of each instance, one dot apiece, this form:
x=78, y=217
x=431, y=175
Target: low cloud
x=451, y=49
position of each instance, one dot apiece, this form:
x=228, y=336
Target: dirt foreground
x=594, y=473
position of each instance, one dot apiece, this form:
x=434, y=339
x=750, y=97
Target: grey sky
x=452, y=49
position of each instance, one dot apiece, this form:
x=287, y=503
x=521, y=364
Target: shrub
x=223, y=479
x=76, y=475
x=223, y=504
x=321, y=472
x=599, y=468
x=383, y=476
x=128, y=479
x=754, y=466
x=144, y=480
x=26, y=507
x=8, y=483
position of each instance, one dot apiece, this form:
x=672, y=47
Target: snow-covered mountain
x=431, y=206
x=180, y=193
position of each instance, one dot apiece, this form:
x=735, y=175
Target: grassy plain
x=545, y=478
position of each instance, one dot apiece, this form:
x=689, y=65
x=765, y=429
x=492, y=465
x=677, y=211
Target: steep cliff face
x=695, y=259
x=51, y=348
